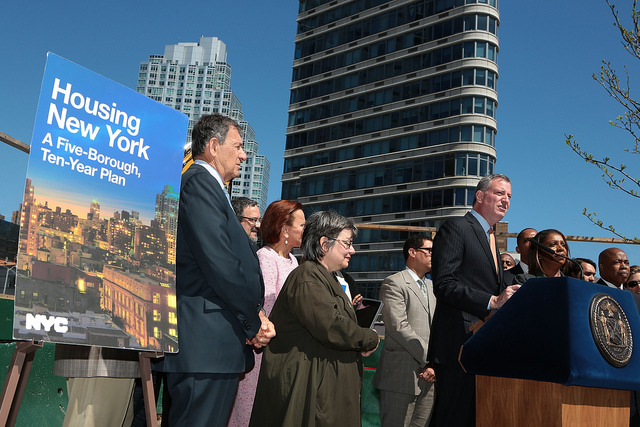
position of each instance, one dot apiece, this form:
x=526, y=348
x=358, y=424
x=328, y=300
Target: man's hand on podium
x=497, y=301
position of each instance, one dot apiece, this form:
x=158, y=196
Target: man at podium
x=467, y=280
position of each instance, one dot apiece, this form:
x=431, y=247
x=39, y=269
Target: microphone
x=547, y=249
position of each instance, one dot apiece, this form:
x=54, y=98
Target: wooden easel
x=16, y=380
x=18, y=373
x=147, y=387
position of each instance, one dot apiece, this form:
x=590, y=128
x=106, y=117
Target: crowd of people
x=268, y=340
x=546, y=254
x=285, y=347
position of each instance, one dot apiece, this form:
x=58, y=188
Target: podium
x=560, y=352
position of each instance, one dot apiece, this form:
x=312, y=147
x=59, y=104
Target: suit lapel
x=223, y=201
x=219, y=191
x=413, y=287
x=482, y=238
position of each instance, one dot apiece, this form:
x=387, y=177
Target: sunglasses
x=632, y=284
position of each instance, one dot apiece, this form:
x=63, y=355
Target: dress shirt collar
x=414, y=276
x=524, y=266
x=483, y=222
x=212, y=171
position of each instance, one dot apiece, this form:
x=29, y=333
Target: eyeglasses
x=427, y=250
x=632, y=284
x=346, y=243
x=252, y=220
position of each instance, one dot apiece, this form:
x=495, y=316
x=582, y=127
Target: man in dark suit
x=218, y=284
x=614, y=272
x=522, y=247
x=614, y=268
x=467, y=282
x=403, y=376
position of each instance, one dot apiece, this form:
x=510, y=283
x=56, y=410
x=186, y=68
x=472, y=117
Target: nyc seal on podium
x=610, y=329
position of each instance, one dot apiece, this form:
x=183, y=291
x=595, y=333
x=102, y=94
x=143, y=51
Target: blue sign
x=96, y=258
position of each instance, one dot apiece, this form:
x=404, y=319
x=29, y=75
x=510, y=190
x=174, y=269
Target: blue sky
x=548, y=52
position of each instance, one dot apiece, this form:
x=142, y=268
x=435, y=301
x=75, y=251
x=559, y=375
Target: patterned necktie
x=425, y=292
x=492, y=243
x=423, y=288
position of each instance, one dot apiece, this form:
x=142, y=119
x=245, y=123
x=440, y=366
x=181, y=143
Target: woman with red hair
x=281, y=231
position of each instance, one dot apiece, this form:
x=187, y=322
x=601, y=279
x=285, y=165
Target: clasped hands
x=428, y=374
x=265, y=334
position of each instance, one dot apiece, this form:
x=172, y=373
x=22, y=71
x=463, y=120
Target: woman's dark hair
x=320, y=224
x=535, y=250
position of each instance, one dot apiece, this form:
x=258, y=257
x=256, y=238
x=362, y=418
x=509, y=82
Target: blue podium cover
x=543, y=333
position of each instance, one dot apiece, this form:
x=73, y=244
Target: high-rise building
x=166, y=215
x=28, y=222
x=94, y=211
x=195, y=78
x=391, y=116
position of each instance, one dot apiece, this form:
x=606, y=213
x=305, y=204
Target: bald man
x=614, y=272
x=614, y=268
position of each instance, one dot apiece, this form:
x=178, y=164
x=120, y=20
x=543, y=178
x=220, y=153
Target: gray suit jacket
x=407, y=320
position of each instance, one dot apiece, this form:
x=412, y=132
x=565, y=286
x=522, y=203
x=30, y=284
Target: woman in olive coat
x=311, y=372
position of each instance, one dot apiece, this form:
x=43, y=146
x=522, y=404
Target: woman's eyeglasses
x=345, y=243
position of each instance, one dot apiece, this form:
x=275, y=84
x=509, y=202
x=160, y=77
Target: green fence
x=45, y=398
x=370, y=395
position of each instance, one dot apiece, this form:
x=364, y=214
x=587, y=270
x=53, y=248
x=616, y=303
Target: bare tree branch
x=616, y=176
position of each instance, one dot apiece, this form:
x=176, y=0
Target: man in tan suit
x=404, y=376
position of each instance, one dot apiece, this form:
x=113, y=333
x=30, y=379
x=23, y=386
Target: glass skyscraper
x=195, y=78
x=391, y=116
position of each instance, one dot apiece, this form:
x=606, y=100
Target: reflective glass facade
x=195, y=78
x=391, y=116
